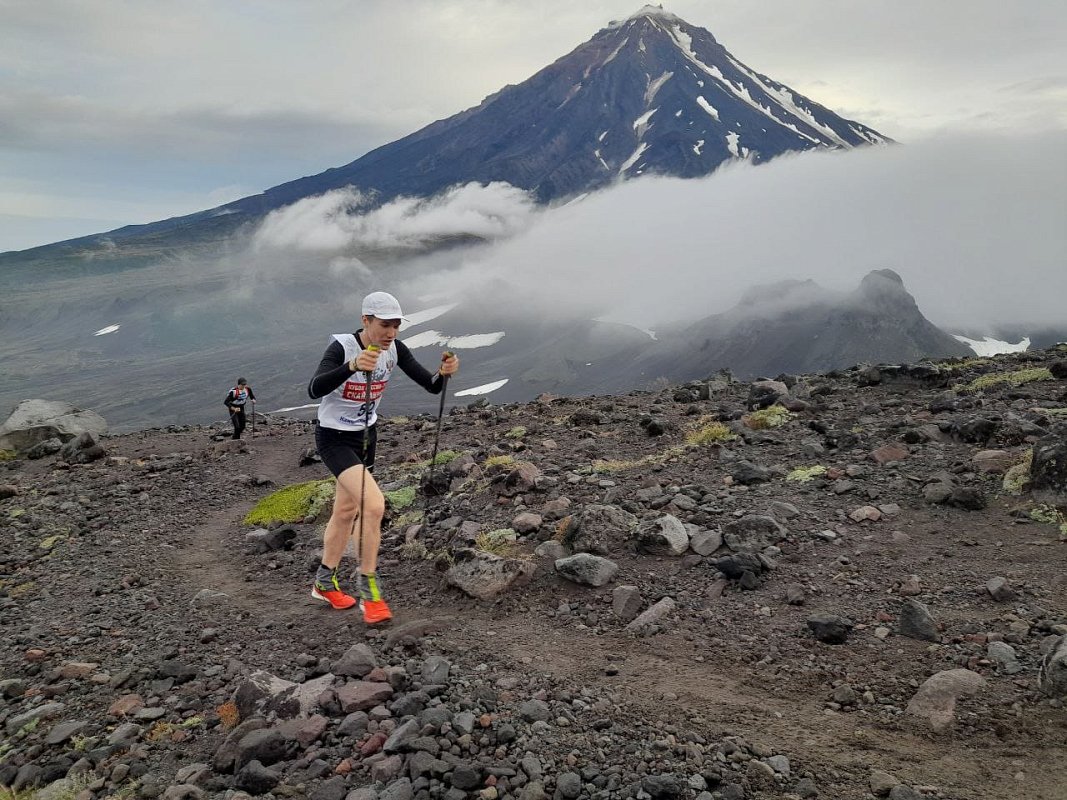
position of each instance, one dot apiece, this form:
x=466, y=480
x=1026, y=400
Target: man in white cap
x=351, y=378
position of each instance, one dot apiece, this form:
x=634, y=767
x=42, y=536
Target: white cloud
x=333, y=221
x=974, y=225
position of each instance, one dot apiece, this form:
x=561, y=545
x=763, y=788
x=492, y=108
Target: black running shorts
x=340, y=450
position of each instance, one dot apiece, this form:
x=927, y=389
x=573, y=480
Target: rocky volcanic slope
x=696, y=603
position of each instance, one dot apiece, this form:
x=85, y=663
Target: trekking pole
x=366, y=437
x=440, y=416
x=253, y=420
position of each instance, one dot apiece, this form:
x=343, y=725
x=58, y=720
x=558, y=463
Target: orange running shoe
x=332, y=594
x=375, y=612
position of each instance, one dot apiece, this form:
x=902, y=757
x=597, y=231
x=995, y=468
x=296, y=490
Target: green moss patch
x=773, y=417
x=1017, y=478
x=709, y=433
x=1017, y=378
x=401, y=498
x=8, y=455
x=516, y=433
x=805, y=474
x=292, y=503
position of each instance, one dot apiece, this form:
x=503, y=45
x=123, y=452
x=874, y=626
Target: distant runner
x=345, y=437
x=235, y=402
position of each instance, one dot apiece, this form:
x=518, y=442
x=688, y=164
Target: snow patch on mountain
x=485, y=388
x=989, y=346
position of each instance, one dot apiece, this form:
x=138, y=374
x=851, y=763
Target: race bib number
x=357, y=392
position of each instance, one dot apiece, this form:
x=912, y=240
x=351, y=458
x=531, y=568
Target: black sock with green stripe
x=326, y=579
x=368, y=587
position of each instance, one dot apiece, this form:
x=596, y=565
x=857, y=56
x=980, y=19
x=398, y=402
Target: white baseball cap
x=383, y=306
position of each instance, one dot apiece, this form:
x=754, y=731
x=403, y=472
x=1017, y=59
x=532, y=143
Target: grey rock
x=17, y=722
x=484, y=575
x=653, y=615
x=265, y=745
x=664, y=787
x=600, y=529
x=663, y=536
x=568, y=786
x=935, y=701
x=1003, y=655
x=626, y=602
x=397, y=790
x=705, y=543
x=1000, y=590
x=535, y=711
x=33, y=421
x=830, y=628
x=435, y=670
x=466, y=777
x=587, y=569
x=917, y=623
x=1052, y=678
x=255, y=778
x=746, y=473
x=753, y=533
x=63, y=731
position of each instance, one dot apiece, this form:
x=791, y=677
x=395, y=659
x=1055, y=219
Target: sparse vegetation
x=413, y=551
x=499, y=461
x=401, y=498
x=1050, y=515
x=773, y=417
x=1017, y=477
x=292, y=503
x=962, y=364
x=709, y=431
x=229, y=716
x=8, y=455
x=805, y=474
x=499, y=542
x=516, y=433
x=1019, y=377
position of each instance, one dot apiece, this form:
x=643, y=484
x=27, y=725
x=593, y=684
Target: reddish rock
x=485, y=720
x=889, y=453
x=377, y=675
x=35, y=655
x=344, y=767
x=125, y=705
x=77, y=669
x=373, y=744
x=362, y=695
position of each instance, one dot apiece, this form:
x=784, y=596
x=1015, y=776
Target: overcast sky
x=115, y=112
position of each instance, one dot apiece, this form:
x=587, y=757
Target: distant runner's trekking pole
x=440, y=416
x=253, y=419
x=366, y=437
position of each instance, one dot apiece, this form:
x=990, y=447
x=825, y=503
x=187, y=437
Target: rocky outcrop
x=35, y=421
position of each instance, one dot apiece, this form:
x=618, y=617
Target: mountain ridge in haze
x=650, y=94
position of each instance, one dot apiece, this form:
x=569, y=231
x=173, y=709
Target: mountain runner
x=350, y=380
x=235, y=401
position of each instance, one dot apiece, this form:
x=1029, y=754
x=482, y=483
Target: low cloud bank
x=335, y=221
x=973, y=224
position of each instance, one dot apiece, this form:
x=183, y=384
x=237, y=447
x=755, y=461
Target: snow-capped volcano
x=651, y=94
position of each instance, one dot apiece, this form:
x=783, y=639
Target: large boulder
x=1048, y=470
x=484, y=575
x=935, y=702
x=598, y=528
x=587, y=569
x=33, y=421
x=753, y=533
x=1053, y=675
x=665, y=536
